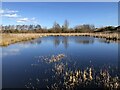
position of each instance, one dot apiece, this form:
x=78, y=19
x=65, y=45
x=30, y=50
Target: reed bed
x=7, y=39
x=70, y=77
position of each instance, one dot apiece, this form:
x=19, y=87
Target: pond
x=61, y=62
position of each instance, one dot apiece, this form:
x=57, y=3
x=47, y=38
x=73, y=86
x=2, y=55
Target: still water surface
x=24, y=65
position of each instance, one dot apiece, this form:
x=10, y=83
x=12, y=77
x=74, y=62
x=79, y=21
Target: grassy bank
x=7, y=39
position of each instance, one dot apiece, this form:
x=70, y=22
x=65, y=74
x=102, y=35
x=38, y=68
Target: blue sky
x=97, y=13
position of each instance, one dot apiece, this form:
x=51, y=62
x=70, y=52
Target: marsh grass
x=7, y=39
x=72, y=77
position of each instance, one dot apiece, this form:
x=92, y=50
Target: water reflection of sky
x=18, y=57
x=59, y=42
x=79, y=48
x=16, y=49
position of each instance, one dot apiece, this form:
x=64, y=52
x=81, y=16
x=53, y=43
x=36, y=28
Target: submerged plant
x=65, y=77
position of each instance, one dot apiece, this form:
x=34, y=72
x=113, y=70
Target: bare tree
x=56, y=27
x=65, y=26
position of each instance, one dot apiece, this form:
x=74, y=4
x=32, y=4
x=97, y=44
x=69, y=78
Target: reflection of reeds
x=65, y=77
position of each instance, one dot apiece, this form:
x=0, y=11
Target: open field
x=7, y=39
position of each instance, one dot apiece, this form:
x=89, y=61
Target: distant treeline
x=85, y=28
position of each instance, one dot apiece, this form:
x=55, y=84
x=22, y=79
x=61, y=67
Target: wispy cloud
x=1, y=11
x=9, y=13
x=24, y=20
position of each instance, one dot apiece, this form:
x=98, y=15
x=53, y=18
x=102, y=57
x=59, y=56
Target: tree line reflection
x=65, y=40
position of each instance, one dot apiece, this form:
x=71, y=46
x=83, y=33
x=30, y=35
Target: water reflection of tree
x=84, y=40
x=56, y=41
x=104, y=41
x=65, y=41
x=37, y=41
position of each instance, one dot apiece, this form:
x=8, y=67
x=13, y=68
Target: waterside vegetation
x=16, y=33
x=7, y=39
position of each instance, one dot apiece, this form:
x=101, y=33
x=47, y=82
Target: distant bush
x=108, y=29
x=85, y=28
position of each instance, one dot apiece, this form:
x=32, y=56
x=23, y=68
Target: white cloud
x=14, y=14
x=10, y=15
x=24, y=20
x=1, y=11
x=11, y=11
x=6, y=11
